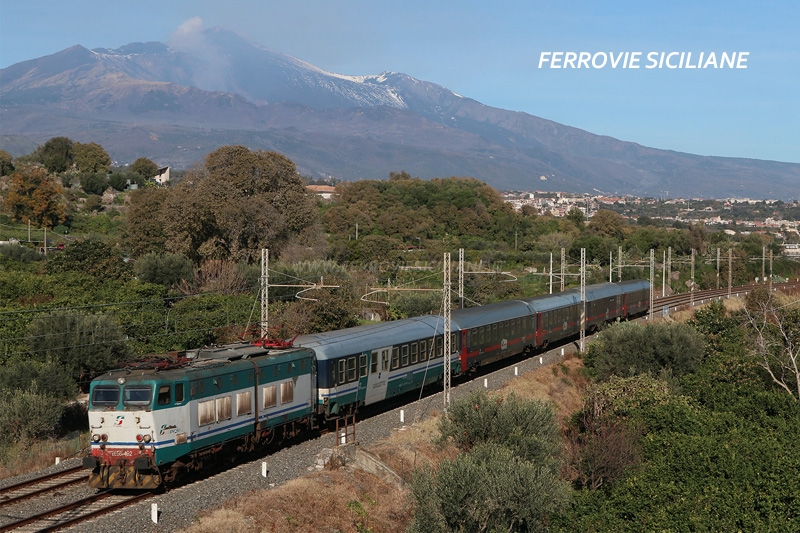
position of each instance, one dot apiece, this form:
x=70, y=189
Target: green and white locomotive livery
x=149, y=422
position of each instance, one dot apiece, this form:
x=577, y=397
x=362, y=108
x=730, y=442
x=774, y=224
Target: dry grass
x=412, y=448
x=328, y=500
x=22, y=459
x=562, y=384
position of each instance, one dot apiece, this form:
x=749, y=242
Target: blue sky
x=490, y=51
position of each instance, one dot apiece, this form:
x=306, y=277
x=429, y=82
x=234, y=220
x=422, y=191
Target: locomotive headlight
x=103, y=437
x=120, y=380
x=139, y=438
x=147, y=438
x=95, y=438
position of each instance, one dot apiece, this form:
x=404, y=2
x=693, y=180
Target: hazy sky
x=491, y=50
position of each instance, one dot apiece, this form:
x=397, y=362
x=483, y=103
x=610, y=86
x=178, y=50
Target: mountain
x=176, y=102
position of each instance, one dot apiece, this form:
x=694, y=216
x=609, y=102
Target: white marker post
x=402, y=416
x=154, y=513
x=264, y=470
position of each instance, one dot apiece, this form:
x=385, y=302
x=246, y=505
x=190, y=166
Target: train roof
x=634, y=285
x=478, y=316
x=553, y=301
x=334, y=344
x=200, y=362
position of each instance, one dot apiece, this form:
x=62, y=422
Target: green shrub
x=28, y=415
x=628, y=348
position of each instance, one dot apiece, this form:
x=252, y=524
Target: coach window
x=439, y=346
x=494, y=332
x=362, y=365
x=480, y=336
x=342, y=371
x=395, y=358
x=453, y=342
x=374, y=363
x=423, y=352
x=351, y=368
x=404, y=355
x=163, y=395
x=414, y=353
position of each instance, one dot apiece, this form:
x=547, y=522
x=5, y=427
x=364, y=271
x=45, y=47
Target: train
x=152, y=421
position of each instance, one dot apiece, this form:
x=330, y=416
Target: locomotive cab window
x=179, y=393
x=164, y=396
x=137, y=395
x=105, y=396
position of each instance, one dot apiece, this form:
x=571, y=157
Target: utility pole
x=730, y=271
x=652, y=279
x=551, y=272
x=763, y=263
x=717, y=268
x=583, y=300
x=446, y=333
x=664, y=274
x=770, y=271
x=619, y=263
x=691, y=288
x=562, y=269
x=669, y=264
x=461, y=278
x=610, y=266
x=264, y=292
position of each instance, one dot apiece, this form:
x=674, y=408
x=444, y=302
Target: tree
x=144, y=230
x=144, y=168
x=90, y=257
x=167, y=270
x=506, y=479
x=237, y=204
x=775, y=328
x=34, y=196
x=84, y=345
x=91, y=158
x=577, y=217
x=627, y=348
x=56, y=154
x=94, y=183
x=607, y=223
x=6, y=163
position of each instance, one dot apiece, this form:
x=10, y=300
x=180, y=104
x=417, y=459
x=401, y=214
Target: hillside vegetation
x=695, y=422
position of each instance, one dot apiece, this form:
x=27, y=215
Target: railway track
x=675, y=301
x=74, y=512
x=41, y=485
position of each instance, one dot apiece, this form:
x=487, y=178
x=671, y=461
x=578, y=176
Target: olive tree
x=774, y=324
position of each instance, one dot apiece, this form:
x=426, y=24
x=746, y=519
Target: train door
x=378, y=375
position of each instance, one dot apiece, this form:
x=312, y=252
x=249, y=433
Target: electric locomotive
x=150, y=422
